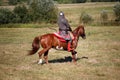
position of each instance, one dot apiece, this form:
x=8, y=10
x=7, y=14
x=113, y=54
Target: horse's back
x=46, y=36
x=48, y=40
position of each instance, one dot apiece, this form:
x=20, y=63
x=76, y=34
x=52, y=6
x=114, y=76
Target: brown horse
x=49, y=41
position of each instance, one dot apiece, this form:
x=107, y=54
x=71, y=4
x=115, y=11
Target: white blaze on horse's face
x=40, y=61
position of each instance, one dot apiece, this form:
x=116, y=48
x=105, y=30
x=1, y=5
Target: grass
x=27, y=25
x=73, y=11
x=101, y=47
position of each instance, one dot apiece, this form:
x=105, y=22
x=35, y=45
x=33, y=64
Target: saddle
x=62, y=38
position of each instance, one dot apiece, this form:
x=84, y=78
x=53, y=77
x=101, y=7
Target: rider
x=65, y=29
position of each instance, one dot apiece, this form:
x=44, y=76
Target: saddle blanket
x=62, y=38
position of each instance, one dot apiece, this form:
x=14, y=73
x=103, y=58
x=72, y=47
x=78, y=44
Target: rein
x=53, y=29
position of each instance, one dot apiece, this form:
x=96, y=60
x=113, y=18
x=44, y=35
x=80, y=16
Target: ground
x=98, y=56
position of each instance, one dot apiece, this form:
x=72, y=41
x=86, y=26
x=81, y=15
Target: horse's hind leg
x=46, y=56
x=45, y=50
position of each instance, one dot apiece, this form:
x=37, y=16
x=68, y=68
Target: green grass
x=28, y=25
x=102, y=47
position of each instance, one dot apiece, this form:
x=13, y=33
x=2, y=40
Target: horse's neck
x=76, y=38
x=76, y=34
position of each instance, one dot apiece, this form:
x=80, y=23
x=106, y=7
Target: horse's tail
x=35, y=46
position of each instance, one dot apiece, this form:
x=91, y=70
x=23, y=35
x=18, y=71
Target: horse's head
x=80, y=31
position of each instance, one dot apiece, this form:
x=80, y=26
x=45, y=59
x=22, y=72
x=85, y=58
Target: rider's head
x=61, y=13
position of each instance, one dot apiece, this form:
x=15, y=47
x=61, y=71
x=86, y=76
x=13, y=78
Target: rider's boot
x=69, y=47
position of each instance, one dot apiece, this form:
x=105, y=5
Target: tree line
x=83, y=1
x=38, y=11
x=14, y=2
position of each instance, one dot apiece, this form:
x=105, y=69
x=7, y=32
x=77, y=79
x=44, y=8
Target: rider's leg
x=69, y=47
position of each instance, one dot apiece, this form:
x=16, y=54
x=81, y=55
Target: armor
x=64, y=29
x=63, y=23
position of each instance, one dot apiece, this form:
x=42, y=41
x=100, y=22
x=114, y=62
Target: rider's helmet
x=61, y=13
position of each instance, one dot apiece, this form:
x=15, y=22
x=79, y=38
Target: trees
x=104, y=0
x=37, y=11
x=6, y=16
x=43, y=10
x=22, y=14
x=71, y=1
x=12, y=2
x=80, y=1
x=116, y=10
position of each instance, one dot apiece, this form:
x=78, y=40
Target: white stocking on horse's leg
x=46, y=56
x=74, y=57
x=40, y=55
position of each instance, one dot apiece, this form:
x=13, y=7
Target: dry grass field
x=73, y=11
x=102, y=47
x=98, y=54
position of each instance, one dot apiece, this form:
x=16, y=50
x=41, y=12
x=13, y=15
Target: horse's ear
x=81, y=25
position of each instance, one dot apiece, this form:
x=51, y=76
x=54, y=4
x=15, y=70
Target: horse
x=48, y=41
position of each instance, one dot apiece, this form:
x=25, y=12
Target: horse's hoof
x=40, y=61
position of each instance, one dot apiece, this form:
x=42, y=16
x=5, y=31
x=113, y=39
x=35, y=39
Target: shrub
x=43, y=10
x=104, y=17
x=22, y=15
x=116, y=10
x=6, y=16
x=80, y=1
x=12, y=2
x=104, y=0
x=64, y=1
x=85, y=18
x=1, y=2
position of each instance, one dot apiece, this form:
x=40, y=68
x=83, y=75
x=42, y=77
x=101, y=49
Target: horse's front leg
x=46, y=56
x=74, y=56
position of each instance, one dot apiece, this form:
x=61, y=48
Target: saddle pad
x=59, y=37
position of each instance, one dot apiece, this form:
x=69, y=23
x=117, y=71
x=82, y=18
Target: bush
x=80, y=1
x=1, y=2
x=22, y=15
x=85, y=18
x=43, y=10
x=6, y=16
x=116, y=10
x=64, y=1
x=71, y=1
x=38, y=11
x=104, y=0
x=13, y=2
x=104, y=17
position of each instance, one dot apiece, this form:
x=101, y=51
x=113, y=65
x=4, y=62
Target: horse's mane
x=76, y=30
